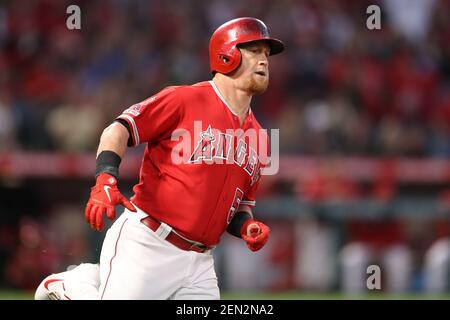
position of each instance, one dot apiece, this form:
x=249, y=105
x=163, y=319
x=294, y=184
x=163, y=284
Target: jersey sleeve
x=250, y=196
x=154, y=118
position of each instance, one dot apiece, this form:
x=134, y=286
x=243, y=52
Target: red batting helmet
x=224, y=41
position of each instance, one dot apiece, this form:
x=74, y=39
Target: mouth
x=261, y=73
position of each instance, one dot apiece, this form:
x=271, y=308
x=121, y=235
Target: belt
x=174, y=238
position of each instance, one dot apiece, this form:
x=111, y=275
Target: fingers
x=92, y=216
x=252, y=243
x=254, y=248
x=249, y=239
x=261, y=229
x=87, y=212
x=127, y=204
x=257, y=236
x=95, y=214
x=253, y=229
x=111, y=213
x=99, y=218
x=264, y=227
x=252, y=238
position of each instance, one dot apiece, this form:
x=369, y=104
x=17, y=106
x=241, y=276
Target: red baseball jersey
x=200, y=164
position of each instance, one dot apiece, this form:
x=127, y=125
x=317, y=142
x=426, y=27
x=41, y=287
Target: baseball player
x=198, y=179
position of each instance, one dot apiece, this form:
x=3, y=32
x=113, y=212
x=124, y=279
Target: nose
x=264, y=61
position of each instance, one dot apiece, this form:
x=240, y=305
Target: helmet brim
x=276, y=46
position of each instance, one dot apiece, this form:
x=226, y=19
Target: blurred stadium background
x=364, y=118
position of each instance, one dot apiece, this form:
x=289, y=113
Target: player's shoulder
x=196, y=89
x=169, y=90
x=199, y=88
x=176, y=94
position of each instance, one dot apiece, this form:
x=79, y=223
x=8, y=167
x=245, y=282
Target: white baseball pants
x=135, y=263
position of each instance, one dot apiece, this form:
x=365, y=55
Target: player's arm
x=253, y=232
x=114, y=138
x=105, y=195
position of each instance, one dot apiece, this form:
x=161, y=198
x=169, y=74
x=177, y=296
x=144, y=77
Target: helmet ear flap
x=229, y=61
x=237, y=58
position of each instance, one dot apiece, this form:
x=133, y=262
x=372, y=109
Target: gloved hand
x=104, y=197
x=255, y=233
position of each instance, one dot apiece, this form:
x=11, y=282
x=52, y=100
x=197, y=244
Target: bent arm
x=243, y=214
x=114, y=138
x=105, y=195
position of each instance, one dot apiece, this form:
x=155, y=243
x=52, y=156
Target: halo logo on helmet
x=224, y=55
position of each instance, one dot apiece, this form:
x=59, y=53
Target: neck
x=237, y=99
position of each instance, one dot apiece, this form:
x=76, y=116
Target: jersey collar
x=216, y=90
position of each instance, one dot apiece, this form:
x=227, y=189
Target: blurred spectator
x=75, y=126
x=315, y=255
x=329, y=183
x=33, y=257
x=437, y=266
x=412, y=18
x=436, y=263
x=348, y=89
x=7, y=128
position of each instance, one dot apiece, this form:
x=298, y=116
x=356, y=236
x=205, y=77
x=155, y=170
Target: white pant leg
x=80, y=283
x=83, y=282
x=137, y=264
x=202, y=282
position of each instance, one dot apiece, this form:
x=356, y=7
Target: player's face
x=253, y=73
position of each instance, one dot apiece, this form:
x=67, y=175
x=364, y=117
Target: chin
x=260, y=90
x=258, y=86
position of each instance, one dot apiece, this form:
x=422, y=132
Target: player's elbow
x=115, y=132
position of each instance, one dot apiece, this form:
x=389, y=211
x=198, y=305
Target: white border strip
x=248, y=203
x=133, y=124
